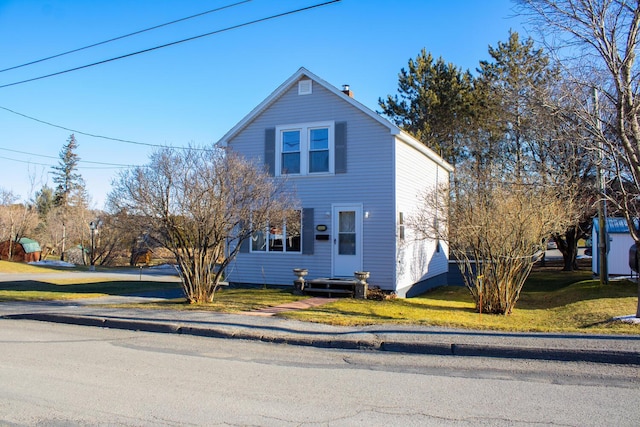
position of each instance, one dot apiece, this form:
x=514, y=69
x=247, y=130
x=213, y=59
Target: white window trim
x=267, y=233
x=305, y=129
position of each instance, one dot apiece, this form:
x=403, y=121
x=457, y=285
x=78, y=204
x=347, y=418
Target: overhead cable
x=57, y=158
x=124, y=36
x=280, y=15
x=94, y=135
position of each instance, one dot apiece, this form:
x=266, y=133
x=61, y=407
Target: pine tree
x=70, y=187
x=514, y=81
x=434, y=104
x=70, y=192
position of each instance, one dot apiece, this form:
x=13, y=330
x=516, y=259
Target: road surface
x=54, y=374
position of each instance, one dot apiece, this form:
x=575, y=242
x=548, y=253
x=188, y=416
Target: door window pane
x=347, y=221
x=347, y=244
x=347, y=233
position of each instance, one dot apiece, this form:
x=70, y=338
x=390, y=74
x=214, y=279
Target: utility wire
x=280, y=15
x=124, y=36
x=94, y=135
x=25, y=161
x=79, y=167
x=58, y=158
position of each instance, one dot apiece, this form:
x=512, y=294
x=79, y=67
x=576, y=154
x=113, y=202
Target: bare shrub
x=496, y=233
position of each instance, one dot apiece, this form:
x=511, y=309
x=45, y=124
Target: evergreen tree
x=514, y=81
x=44, y=201
x=70, y=193
x=434, y=104
x=70, y=187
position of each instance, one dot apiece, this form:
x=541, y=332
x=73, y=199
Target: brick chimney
x=347, y=91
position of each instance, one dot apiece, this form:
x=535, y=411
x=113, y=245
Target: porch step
x=330, y=287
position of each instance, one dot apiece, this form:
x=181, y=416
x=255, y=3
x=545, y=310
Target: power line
x=25, y=161
x=79, y=167
x=57, y=158
x=86, y=133
x=124, y=36
x=280, y=15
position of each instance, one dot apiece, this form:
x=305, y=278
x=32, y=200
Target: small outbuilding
x=620, y=242
x=23, y=250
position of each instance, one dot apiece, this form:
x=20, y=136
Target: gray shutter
x=340, y=145
x=308, y=233
x=270, y=150
x=244, y=245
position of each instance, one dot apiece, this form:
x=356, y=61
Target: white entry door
x=347, y=240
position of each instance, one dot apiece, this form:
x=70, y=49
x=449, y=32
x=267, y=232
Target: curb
x=439, y=349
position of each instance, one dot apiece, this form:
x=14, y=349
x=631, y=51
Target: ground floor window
x=281, y=233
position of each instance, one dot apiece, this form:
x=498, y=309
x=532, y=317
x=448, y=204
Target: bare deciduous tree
x=597, y=43
x=496, y=232
x=17, y=219
x=200, y=205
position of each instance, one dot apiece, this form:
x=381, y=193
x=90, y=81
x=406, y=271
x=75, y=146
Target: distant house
x=24, y=250
x=357, y=177
x=620, y=242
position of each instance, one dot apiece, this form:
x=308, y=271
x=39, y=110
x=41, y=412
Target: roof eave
x=414, y=143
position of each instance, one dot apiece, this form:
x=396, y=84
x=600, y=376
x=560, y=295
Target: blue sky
x=193, y=93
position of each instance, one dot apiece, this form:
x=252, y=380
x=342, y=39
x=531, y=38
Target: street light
x=93, y=226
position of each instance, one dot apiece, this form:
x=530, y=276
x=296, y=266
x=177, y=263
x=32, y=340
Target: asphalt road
x=55, y=374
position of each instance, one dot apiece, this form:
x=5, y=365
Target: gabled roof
x=29, y=245
x=303, y=72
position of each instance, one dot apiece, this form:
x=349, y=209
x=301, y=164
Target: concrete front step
x=330, y=287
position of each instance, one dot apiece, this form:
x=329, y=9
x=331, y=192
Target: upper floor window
x=305, y=149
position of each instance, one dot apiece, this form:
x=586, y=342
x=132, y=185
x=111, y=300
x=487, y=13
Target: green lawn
x=33, y=290
x=61, y=288
x=551, y=301
x=229, y=300
x=22, y=268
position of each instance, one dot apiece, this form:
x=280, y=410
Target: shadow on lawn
x=105, y=287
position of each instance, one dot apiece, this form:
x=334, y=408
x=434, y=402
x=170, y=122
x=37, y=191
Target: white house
x=620, y=242
x=357, y=177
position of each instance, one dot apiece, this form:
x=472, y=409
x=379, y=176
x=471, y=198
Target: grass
x=22, y=268
x=232, y=300
x=64, y=288
x=33, y=290
x=549, y=302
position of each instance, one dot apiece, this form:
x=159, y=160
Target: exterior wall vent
x=305, y=87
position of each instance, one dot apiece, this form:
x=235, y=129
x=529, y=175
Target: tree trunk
x=568, y=246
x=64, y=241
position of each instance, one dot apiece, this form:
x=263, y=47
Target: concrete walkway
x=291, y=306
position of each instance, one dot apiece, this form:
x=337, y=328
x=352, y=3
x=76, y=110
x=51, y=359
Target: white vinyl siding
x=368, y=181
x=418, y=260
x=371, y=168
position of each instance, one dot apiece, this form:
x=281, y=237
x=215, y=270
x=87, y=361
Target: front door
x=347, y=240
